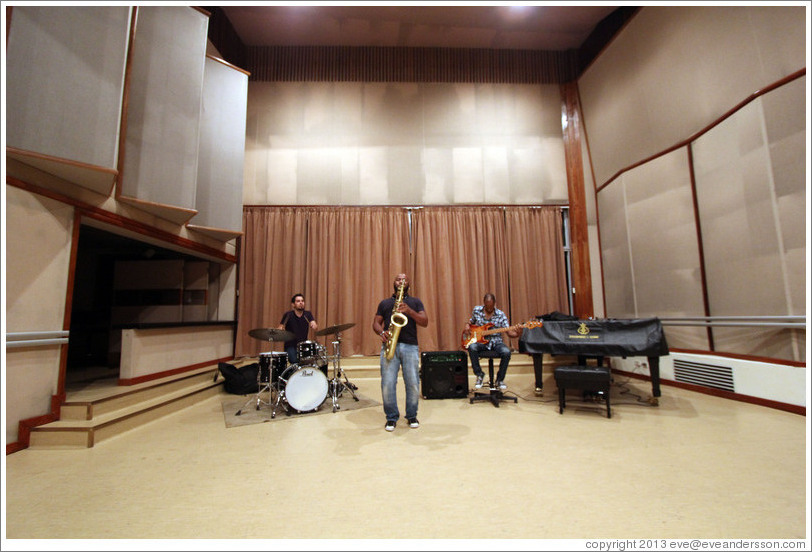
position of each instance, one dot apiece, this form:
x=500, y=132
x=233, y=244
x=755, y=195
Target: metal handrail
x=740, y=321
x=36, y=339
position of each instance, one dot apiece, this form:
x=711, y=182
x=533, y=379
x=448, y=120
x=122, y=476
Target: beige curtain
x=344, y=259
x=538, y=278
x=353, y=254
x=459, y=255
x=272, y=269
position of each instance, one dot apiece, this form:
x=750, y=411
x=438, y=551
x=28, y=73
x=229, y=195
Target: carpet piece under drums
x=250, y=414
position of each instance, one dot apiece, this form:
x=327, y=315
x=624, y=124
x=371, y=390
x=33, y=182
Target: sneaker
x=501, y=385
x=478, y=384
x=390, y=426
x=413, y=423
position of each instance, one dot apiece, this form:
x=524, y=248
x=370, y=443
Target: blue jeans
x=407, y=357
x=504, y=358
x=293, y=354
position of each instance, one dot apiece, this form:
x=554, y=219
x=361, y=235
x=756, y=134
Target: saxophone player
x=396, y=322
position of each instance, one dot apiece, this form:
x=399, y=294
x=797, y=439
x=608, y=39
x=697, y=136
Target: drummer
x=299, y=322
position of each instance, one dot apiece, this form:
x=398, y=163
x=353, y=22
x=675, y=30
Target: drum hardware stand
x=261, y=388
x=270, y=335
x=279, y=395
x=336, y=385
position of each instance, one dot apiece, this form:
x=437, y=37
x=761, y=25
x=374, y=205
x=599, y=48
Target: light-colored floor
x=695, y=466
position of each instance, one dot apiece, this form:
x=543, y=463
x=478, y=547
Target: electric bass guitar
x=477, y=333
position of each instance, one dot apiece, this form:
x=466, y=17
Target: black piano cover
x=602, y=337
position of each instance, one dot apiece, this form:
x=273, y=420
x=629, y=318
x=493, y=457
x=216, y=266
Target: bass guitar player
x=488, y=315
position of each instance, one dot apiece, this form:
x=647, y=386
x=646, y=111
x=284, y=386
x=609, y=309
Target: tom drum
x=310, y=352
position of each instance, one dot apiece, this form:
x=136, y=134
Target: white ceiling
x=451, y=26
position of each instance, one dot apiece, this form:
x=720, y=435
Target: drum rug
x=247, y=406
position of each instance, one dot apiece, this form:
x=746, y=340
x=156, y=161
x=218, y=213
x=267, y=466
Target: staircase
x=100, y=412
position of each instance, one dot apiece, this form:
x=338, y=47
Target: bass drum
x=304, y=387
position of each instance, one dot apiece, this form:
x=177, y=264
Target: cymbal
x=271, y=334
x=335, y=329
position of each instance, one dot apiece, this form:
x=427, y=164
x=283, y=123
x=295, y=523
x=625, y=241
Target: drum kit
x=301, y=387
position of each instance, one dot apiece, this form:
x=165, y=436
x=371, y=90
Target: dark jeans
x=293, y=354
x=504, y=358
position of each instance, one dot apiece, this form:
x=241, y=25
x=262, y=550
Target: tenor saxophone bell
x=396, y=322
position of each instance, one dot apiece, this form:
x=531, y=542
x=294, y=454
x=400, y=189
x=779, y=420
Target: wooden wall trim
x=125, y=99
x=227, y=64
x=25, y=426
x=66, y=319
x=703, y=278
x=754, y=96
x=405, y=206
x=124, y=223
x=62, y=161
x=579, y=231
x=173, y=372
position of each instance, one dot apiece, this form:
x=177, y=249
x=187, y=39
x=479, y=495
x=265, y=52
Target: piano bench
x=586, y=378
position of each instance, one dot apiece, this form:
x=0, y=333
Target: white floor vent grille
x=708, y=375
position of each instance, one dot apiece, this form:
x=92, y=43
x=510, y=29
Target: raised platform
x=101, y=409
x=370, y=367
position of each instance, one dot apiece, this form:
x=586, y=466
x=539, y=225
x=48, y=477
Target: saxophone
x=396, y=322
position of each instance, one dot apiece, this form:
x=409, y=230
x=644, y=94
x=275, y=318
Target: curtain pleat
x=459, y=256
x=353, y=256
x=344, y=260
x=538, y=278
x=272, y=269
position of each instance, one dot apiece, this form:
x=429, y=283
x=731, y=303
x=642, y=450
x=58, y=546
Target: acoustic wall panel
x=675, y=69
x=221, y=150
x=64, y=81
x=163, y=115
x=401, y=143
x=751, y=195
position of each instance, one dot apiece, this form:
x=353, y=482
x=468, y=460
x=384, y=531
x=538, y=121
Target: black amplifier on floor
x=444, y=374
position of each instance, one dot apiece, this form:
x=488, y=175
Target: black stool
x=496, y=394
x=587, y=378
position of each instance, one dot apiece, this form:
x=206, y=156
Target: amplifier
x=444, y=374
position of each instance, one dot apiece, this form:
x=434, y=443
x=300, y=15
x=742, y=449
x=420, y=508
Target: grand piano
x=598, y=338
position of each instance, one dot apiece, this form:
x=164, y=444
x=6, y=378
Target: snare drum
x=309, y=352
x=304, y=388
x=272, y=365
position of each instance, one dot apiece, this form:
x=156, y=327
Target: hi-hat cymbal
x=271, y=334
x=335, y=329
